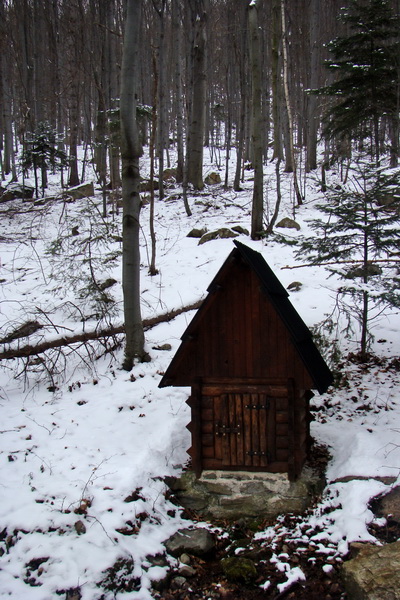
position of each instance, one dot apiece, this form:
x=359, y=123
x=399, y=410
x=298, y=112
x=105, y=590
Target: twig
x=46, y=316
x=103, y=528
x=50, y=431
x=91, y=478
x=48, y=465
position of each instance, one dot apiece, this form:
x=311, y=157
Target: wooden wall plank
x=255, y=423
x=265, y=432
x=248, y=431
x=206, y=414
x=207, y=427
x=240, y=448
x=218, y=419
x=272, y=430
x=196, y=448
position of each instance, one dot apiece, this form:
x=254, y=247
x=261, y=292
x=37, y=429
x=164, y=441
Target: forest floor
x=85, y=447
x=295, y=554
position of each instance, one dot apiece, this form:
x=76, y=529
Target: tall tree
x=240, y=55
x=289, y=105
x=276, y=80
x=197, y=104
x=312, y=121
x=113, y=57
x=257, y=210
x=131, y=151
x=100, y=79
x=6, y=134
x=160, y=74
x=176, y=16
x=367, y=76
x=72, y=20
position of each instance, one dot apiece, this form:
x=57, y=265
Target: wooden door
x=244, y=427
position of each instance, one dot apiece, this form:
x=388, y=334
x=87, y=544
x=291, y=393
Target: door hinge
x=224, y=429
x=258, y=406
x=259, y=453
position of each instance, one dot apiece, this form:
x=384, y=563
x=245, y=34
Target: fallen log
x=30, y=350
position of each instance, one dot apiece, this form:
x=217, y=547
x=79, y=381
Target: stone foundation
x=237, y=494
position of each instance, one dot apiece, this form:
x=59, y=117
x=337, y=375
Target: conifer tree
x=358, y=240
x=42, y=152
x=366, y=70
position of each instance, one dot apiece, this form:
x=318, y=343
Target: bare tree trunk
x=228, y=125
x=7, y=122
x=243, y=98
x=131, y=151
x=276, y=80
x=281, y=143
x=256, y=123
x=195, y=142
x=26, y=65
x=153, y=133
x=57, y=106
x=5, y=102
x=271, y=224
x=100, y=127
x=177, y=32
x=289, y=106
x=161, y=120
x=312, y=119
x=240, y=144
x=365, y=294
x=73, y=92
x=114, y=132
x=39, y=35
x=394, y=139
x=100, y=138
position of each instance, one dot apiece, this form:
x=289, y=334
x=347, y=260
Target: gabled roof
x=270, y=285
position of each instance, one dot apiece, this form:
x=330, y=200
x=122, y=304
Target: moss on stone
x=237, y=568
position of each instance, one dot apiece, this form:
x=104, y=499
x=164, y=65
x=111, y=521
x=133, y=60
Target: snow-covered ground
x=83, y=452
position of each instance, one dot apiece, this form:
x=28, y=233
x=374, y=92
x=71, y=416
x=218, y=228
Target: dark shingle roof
x=300, y=334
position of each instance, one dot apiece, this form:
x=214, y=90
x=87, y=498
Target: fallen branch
x=24, y=330
x=341, y=262
x=29, y=350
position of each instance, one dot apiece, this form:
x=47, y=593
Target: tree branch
x=29, y=350
x=342, y=262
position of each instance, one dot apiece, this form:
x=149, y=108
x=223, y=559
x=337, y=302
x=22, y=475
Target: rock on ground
x=198, y=542
x=84, y=190
x=222, y=233
x=16, y=190
x=374, y=574
x=287, y=223
x=213, y=178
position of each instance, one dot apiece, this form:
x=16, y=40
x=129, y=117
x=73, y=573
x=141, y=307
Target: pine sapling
x=358, y=240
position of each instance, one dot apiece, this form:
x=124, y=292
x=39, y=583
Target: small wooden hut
x=251, y=363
